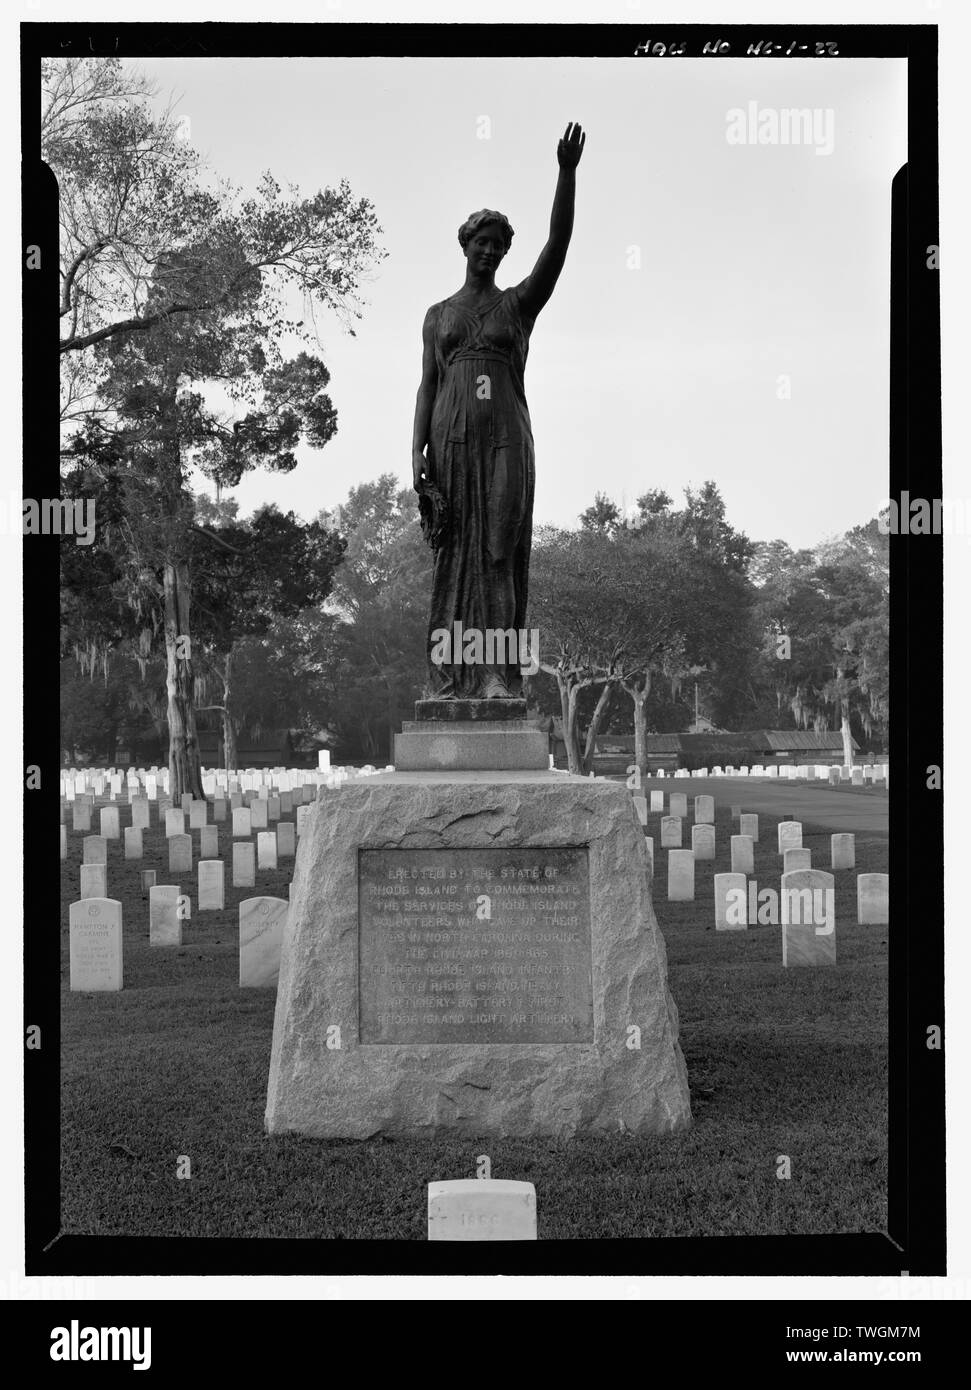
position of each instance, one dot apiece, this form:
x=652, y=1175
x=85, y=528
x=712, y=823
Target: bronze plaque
x=475, y=945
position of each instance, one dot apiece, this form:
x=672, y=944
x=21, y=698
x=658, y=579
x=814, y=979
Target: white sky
x=757, y=260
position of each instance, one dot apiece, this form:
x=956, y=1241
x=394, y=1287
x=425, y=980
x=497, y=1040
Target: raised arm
x=426, y=398
x=536, y=289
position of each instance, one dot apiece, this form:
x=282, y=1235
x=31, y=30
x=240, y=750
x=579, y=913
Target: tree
x=381, y=593
x=168, y=287
x=267, y=568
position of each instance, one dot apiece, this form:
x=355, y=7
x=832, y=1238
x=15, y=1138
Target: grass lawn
x=780, y=1062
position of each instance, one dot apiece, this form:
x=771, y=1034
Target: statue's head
x=485, y=237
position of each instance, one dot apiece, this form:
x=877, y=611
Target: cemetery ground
x=781, y=1063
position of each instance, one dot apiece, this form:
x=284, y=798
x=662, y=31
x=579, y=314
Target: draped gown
x=480, y=457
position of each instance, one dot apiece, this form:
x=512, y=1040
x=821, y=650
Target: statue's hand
x=417, y=468
x=570, y=148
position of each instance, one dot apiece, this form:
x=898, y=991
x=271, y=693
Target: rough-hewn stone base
x=354, y=1091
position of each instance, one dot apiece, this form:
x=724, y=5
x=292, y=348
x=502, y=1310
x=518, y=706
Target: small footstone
x=748, y=824
x=481, y=1209
x=795, y=859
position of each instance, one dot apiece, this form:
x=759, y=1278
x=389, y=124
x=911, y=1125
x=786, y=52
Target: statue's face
x=486, y=247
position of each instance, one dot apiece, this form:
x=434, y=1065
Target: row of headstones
x=795, y=858
x=96, y=937
x=271, y=844
x=153, y=781
x=266, y=854
x=857, y=776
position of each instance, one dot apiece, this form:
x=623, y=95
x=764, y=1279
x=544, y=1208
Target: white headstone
x=790, y=835
x=96, y=944
x=140, y=813
x=63, y=841
x=198, y=814
x=481, y=1209
x=94, y=850
x=856, y=776
x=244, y=864
x=704, y=810
x=219, y=808
x=670, y=832
x=209, y=842
x=180, y=854
x=80, y=816
x=164, y=922
x=286, y=839
x=743, y=854
x=266, y=849
x=681, y=876
x=793, y=860
x=94, y=880
x=133, y=842
x=258, y=813
x=731, y=907
x=242, y=822
x=748, y=824
x=174, y=823
x=678, y=804
x=657, y=801
x=110, y=824
x=703, y=841
x=873, y=899
x=302, y=814
x=273, y=807
x=212, y=885
x=261, y=923
x=808, y=915
x=843, y=851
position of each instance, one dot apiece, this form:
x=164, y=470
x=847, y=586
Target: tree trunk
x=568, y=706
x=847, y=736
x=184, y=770
x=230, y=756
x=599, y=710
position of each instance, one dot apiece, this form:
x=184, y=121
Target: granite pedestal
x=474, y=952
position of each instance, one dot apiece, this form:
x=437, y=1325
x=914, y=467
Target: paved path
x=816, y=804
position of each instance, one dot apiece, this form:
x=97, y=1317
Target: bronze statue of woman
x=472, y=450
